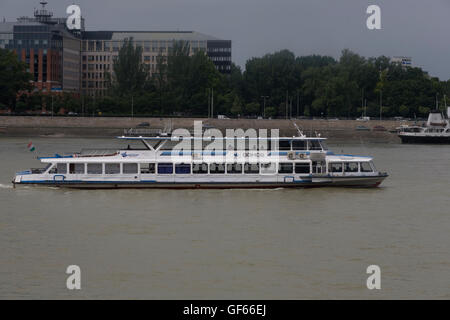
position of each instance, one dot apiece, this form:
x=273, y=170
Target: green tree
x=236, y=108
x=14, y=78
x=130, y=74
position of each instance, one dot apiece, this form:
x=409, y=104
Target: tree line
x=275, y=85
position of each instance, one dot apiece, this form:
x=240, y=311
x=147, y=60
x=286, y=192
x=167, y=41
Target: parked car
x=362, y=128
x=379, y=128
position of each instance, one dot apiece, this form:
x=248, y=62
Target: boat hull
x=425, y=139
x=320, y=181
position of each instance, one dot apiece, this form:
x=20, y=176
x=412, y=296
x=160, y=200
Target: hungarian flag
x=31, y=147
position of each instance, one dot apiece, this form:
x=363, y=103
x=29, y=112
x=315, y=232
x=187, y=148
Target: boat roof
x=348, y=157
x=178, y=138
x=140, y=157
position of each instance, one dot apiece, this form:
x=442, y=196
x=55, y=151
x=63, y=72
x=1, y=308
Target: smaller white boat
x=436, y=130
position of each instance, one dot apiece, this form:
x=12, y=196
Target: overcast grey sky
x=415, y=28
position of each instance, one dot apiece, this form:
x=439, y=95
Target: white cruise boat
x=436, y=130
x=288, y=162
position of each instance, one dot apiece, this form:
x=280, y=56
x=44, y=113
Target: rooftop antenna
x=43, y=14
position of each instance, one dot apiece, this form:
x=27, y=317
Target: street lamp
x=264, y=107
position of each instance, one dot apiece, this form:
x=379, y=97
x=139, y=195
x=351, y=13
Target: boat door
x=319, y=168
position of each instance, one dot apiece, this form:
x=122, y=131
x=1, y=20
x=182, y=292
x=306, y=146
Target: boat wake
x=5, y=186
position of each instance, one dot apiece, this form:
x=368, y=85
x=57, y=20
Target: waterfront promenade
x=111, y=126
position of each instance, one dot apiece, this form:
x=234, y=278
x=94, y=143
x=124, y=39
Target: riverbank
x=68, y=127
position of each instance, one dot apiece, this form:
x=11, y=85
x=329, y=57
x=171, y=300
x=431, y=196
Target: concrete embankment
x=113, y=126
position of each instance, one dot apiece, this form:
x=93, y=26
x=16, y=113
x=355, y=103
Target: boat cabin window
x=287, y=167
x=76, y=168
x=130, y=168
x=264, y=144
x=165, y=168
x=147, y=168
x=53, y=170
x=302, y=167
x=268, y=168
x=183, y=168
x=299, y=145
x=61, y=168
x=335, y=167
x=284, y=145
x=234, y=168
x=251, y=168
x=112, y=168
x=200, y=168
x=216, y=168
x=351, y=167
x=366, y=167
x=94, y=168
x=314, y=145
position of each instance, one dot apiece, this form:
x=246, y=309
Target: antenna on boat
x=298, y=129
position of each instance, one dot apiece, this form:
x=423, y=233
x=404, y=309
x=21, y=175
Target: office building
x=76, y=60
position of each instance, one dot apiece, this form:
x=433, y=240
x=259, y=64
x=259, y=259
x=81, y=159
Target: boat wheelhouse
x=288, y=162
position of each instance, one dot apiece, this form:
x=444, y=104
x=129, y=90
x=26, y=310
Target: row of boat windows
x=283, y=145
x=204, y=168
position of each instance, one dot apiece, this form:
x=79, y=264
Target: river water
x=235, y=244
